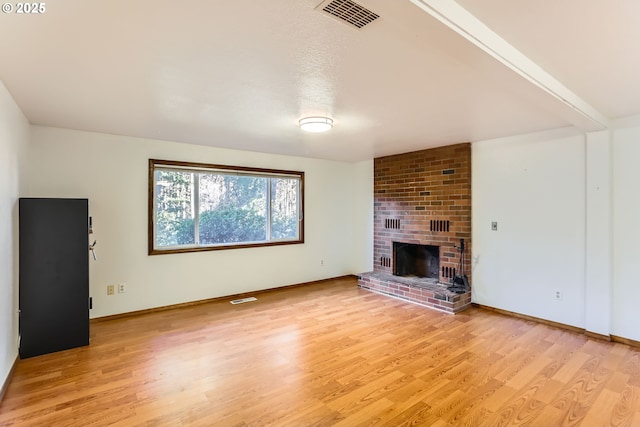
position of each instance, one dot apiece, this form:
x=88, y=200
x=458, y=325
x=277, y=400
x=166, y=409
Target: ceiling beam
x=471, y=28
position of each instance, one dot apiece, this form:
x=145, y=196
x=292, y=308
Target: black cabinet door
x=54, y=275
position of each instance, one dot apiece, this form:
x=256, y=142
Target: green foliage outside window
x=201, y=208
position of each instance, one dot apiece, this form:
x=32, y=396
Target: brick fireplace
x=422, y=208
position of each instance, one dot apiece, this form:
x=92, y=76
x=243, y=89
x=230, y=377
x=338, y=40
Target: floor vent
x=348, y=11
x=243, y=300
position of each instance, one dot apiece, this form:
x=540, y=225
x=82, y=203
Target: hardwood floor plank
x=327, y=354
x=417, y=415
x=569, y=369
x=549, y=390
x=469, y=410
x=635, y=420
x=609, y=408
x=581, y=392
x=363, y=416
x=366, y=391
x=549, y=416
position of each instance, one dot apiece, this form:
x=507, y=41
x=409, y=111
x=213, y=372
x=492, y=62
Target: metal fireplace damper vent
x=348, y=11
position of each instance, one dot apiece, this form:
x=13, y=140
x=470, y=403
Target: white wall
x=598, y=250
x=112, y=172
x=14, y=138
x=534, y=187
x=362, y=218
x=568, y=212
x=626, y=229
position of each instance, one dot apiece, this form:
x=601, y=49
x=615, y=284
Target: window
x=195, y=207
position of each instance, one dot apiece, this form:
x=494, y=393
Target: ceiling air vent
x=348, y=11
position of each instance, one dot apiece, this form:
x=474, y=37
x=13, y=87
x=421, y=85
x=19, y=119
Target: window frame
x=203, y=167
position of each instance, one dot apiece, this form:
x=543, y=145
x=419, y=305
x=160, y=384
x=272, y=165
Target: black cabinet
x=54, y=275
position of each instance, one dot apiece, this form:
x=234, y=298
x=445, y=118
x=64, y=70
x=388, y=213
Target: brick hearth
x=420, y=291
x=422, y=198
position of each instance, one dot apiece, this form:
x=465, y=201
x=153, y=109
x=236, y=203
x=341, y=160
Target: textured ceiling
x=240, y=73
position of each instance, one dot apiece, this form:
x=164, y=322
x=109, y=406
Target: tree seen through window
x=201, y=208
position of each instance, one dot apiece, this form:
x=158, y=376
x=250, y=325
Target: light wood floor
x=327, y=354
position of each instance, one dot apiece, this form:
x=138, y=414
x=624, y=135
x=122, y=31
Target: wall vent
x=448, y=272
x=439, y=225
x=385, y=261
x=349, y=12
x=392, y=223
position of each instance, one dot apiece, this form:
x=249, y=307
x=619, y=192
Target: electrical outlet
x=110, y=289
x=557, y=295
x=122, y=288
x=494, y=225
x=321, y=263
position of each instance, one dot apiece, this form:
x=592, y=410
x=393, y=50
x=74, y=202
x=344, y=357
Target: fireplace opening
x=416, y=260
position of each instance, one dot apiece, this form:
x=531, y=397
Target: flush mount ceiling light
x=316, y=124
